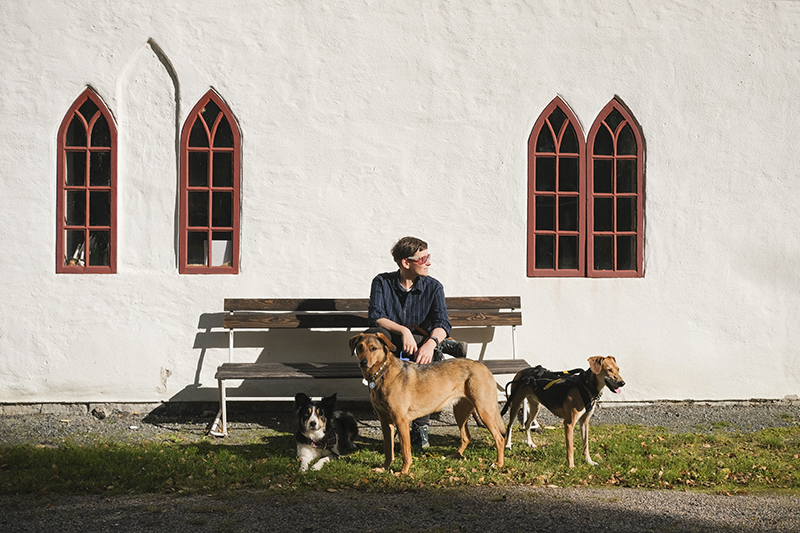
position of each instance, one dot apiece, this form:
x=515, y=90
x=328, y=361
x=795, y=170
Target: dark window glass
x=100, y=169
x=101, y=134
x=196, y=247
x=545, y=251
x=88, y=109
x=569, y=142
x=614, y=119
x=626, y=143
x=545, y=142
x=626, y=176
x=99, y=208
x=76, y=208
x=603, y=252
x=604, y=214
x=626, y=252
x=210, y=112
x=568, y=213
x=626, y=214
x=603, y=176
x=76, y=168
x=198, y=209
x=224, y=136
x=198, y=137
x=73, y=253
x=603, y=143
x=198, y=169
x=222, y=210
x=99, y=242
x=546, y=174
x=76, y=133
x=223, y=169
x=545, y=213
x=568, y=174
x=568, y=252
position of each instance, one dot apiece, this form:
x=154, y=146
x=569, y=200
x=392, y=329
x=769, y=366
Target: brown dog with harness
x=401, y=391
x=570, y=395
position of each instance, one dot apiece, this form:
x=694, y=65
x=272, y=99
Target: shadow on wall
x=286, y=345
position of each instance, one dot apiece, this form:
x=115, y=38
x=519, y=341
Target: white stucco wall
x=366, y=121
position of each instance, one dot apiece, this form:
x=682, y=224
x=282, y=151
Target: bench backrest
x=304, y=313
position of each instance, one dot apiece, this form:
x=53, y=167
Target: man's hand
x=409, y=344
x=425, y=352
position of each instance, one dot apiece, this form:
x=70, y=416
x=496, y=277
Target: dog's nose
x=312, y=424
x=363, y=363
x=621, y=383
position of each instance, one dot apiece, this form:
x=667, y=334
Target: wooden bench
x=336, y=314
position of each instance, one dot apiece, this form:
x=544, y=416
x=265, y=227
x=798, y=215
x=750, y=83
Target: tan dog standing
x=401, y=391
x=571, y=396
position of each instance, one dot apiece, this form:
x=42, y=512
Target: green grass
x=722, y=461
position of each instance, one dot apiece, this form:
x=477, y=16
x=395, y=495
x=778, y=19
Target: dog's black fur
x=323, y=433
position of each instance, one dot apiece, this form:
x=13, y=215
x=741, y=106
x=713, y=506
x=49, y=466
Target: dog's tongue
x=617, y=391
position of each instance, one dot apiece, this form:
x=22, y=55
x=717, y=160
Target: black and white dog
x=323, y=433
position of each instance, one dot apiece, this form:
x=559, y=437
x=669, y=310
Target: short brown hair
x=407, y=247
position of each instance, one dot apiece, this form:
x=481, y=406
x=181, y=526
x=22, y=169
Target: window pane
x=223, y=169
x=603, y=176
x=101, y=134
x=76, y=208
x=568, y=252
x=603, y=143
x=223, y=138
x=198, y=169
x=545, y=213
x=198, y=209
x=569, y=142
x=74, y=248
x=99, y=208
x=557, y=118
x=221, y=248
x=98, y=248
x=545, y=142
x=210, y=112
x=568, y=174
x=626, y=143
x=88, y=110
x=198, y=137
x=545, y=173
x=100, y=169
x=568, y=213
x=614, y=119
x=603, y=214
x=197, y=247
x=626, y=214
x=76, y=168
x=603, y=253
x=76, y=133
x=545, y=251
x=626, y=252
x=626, y=175
x=222, y=211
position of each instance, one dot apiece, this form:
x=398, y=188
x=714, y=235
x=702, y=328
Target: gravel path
x=505, y=509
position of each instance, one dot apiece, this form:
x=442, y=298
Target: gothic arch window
x=209, y=189
x=87, y=188
x=615, y=200
x=555, y=194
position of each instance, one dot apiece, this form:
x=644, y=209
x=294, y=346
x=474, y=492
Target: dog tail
x=508, y=397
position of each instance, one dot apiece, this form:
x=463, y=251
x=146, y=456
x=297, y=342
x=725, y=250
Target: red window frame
x=610, y=194
x=615, y=199
x=87, y=173
x=556, y=188
x=209, y=187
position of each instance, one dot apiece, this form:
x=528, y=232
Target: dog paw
x=531, y=445
x=379, y=470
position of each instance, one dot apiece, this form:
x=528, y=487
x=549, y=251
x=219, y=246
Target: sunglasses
x=423, y=260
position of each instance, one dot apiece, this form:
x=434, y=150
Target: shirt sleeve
x=377, y=301
x=438, y=314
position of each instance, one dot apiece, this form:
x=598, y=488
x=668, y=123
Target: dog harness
x=552, y=387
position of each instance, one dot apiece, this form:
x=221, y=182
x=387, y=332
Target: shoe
x=453, y=347
x=419, y=436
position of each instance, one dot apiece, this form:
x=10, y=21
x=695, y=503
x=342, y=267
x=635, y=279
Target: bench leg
x=222, y=415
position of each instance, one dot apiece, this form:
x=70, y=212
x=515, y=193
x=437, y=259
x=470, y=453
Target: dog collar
x=376, y=376
x=330, y=442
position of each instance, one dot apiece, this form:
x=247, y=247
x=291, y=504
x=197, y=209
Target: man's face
x=419, y=263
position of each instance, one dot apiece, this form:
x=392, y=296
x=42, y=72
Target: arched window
x=87, y=188
x=209, y=188
x=615, y=175
x=555, y=192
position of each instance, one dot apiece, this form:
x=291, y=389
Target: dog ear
x=385, y=340
x=596, y=363
x=301, y=399
x=353, y=341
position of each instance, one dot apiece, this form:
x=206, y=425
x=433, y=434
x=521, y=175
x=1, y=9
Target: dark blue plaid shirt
x=423, y=306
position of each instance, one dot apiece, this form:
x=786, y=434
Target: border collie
x=322, y=432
